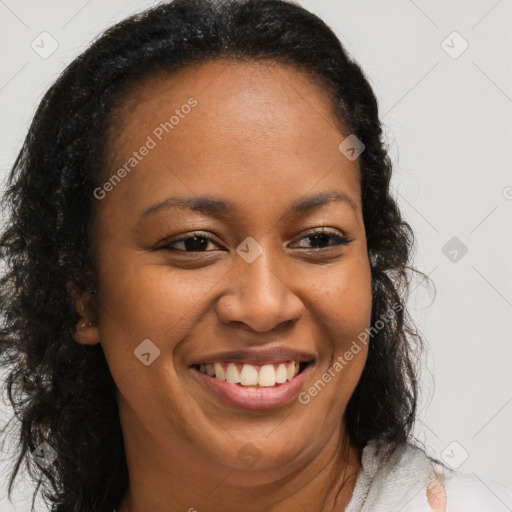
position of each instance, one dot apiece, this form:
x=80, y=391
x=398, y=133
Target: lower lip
x=255, y=397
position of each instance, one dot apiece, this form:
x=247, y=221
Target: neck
x=161, y=483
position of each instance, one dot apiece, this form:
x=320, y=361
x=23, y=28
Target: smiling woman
x=207, y=277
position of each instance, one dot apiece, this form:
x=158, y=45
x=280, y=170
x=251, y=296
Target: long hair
x=62, y=392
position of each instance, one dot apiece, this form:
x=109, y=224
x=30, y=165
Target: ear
x=86, y=330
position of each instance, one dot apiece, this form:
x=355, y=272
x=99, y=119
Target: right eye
x=191, y=243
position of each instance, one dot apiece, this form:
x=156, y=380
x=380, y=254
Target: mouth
x=254, y=386
x=245, y=374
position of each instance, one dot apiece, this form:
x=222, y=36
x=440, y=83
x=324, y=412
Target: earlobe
x=85, y=331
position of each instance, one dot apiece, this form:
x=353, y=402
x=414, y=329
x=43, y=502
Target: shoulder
x=408, y=479
x=468, y=492
x=462, y=491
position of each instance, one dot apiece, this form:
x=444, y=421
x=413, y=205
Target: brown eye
x=320, y=239
x=191, y=243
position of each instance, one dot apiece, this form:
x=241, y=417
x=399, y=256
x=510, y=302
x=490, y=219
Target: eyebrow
x=215, y=206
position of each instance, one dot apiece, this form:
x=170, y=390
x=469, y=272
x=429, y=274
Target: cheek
x=151, y=302
x=156, y=304
x=343, y=305
x=342, y=299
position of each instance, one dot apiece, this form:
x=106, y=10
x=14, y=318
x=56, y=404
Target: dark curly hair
x=57, y=386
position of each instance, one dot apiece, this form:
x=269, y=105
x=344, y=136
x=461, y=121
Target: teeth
x=267, y=375
x=232, y=374
x=219, y=371
x=290, y=370
x=281, y=374
x=249, y=375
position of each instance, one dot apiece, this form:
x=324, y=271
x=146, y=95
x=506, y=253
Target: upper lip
x=256, y=355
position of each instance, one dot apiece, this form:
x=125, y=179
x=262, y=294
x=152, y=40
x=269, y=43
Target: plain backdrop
x=443, y=77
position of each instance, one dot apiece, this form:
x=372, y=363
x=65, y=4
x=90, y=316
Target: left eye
x=319, y=238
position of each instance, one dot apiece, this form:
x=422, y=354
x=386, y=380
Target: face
x=235, y=237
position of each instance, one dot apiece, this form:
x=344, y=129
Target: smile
x=246, y=374
x=252, y=386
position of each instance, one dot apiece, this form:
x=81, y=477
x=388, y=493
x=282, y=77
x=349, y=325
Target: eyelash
x=341, y=240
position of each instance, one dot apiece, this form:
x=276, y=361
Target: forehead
x=264, y=99
x=230, y=82
x=254, y=126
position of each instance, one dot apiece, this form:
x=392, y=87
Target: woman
x=271, y=366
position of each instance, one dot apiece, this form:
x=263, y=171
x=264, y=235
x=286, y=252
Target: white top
x=398, y=482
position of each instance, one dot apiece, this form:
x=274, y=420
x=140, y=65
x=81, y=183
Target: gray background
x=448, y=121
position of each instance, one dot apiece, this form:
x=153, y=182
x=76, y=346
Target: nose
x=260, y=296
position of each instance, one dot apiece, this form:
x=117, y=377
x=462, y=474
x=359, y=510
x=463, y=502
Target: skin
x=261, y=136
